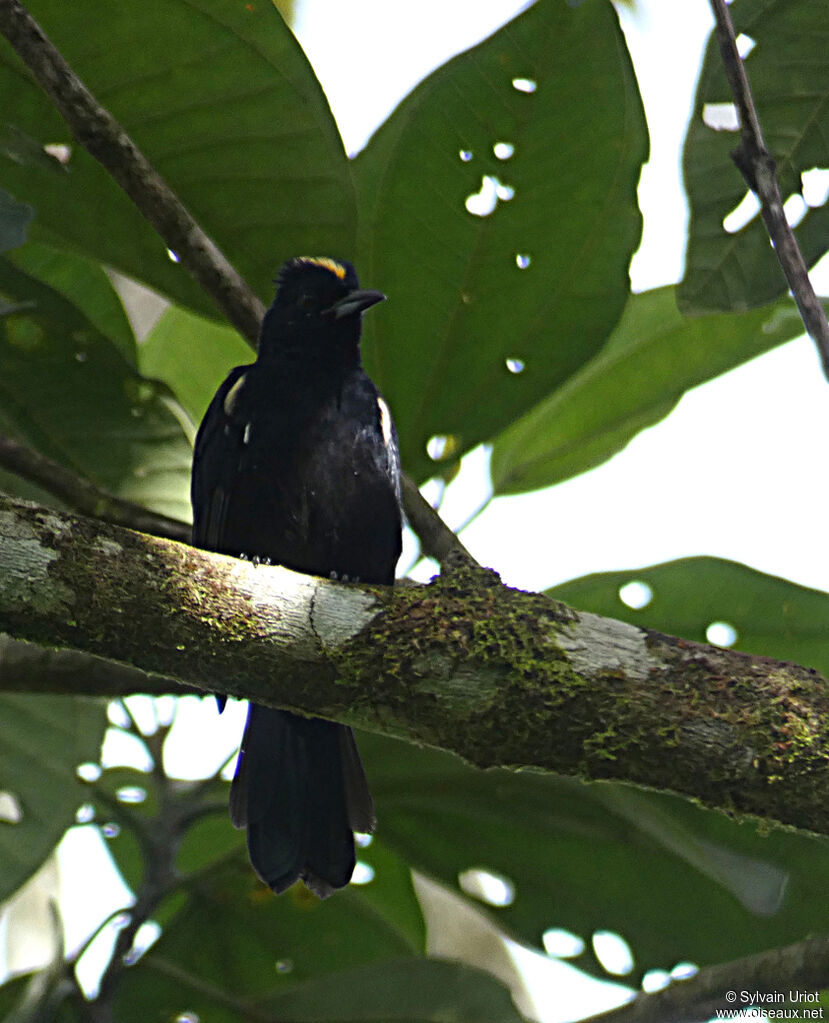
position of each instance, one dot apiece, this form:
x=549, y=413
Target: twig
x=82, y=496
x=436, y=539
x=757, y=166
x=98, y=131
x=803, y=967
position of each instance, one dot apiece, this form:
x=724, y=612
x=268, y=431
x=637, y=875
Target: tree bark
x=496, y=675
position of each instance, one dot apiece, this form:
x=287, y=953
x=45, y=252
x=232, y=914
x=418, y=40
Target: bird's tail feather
x=300, y=789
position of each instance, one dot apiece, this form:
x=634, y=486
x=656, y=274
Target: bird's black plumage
x=296, y=462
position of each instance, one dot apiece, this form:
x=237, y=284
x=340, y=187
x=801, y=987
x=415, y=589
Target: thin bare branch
x=757, y=166
x=82, y=496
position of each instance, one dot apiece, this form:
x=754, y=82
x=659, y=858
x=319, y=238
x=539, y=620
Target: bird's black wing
x=215, y=468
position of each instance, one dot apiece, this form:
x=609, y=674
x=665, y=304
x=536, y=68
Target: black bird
x=296, y=462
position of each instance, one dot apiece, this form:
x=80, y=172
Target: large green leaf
x=221, y=100
x=460, y=307
x=406, y=991
x=678, y=882
x=43, y=739
x=192, y=355
x=653, y=356
x=277, y=943
x=789, y=75
x=68, y=390
x=14, y=220
x=771, y=616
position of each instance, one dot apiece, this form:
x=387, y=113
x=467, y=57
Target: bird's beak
x=354, y=302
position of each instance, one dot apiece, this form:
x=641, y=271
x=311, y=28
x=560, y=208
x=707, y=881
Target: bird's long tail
x=300, y=790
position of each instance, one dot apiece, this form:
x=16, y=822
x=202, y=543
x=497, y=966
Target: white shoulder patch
x=232, y=397
x=385, y=421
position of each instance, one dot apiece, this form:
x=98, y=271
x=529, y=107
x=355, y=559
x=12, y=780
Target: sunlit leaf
x=771, y=616
x=653, y=356
x=540, y=280
x=43, y=739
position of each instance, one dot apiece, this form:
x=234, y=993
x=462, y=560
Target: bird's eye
x=306, y=303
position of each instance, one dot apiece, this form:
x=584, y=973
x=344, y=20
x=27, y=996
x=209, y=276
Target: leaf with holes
x=69, y=389
x=42, y=741
x=679, y=883
x=279, y=945
x=771, y=616
x=653, y=356
x=788, y=69
x=498, y=212
x=221, y=100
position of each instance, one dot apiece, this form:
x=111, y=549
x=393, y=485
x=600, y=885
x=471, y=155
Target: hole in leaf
x=795, y=209
x=11, y=812
x=147, y=935
x=721, y=116
x=742, y=214
x=745, y=44
x=60, y=151
x=636, y=594
x=363, y=841
x=173, y=256
x=503, y=150
x=815, y=184
x=655, y=980
x=721, y=634
x=613, y=952
x=187, y=1017
x=515, y=365
x=481, y=204
x=465, y=155
x=683, y=971
x=89, y=772
x=522, y=260
x=363, y=873
x=284, y=965
x=111, y=829
x=131, y=794
x=85, y=814
x=441, y=446
x=491, y=888
x=562, y=944
x=524, y=84
x=504, y=192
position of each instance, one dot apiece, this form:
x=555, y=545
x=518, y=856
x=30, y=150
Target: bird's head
x=317, y=310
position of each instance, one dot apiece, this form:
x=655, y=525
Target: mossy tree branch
x=496, y=675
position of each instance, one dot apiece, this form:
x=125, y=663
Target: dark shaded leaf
x=677, y=882
x=67, y=389
x=277, y=944
x=223, y=103
x=14, y=220
x=789, y=74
